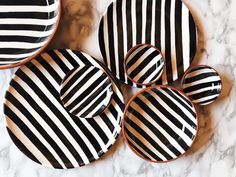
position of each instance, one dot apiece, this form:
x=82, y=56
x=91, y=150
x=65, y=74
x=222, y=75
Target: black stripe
x=69, y=58
x=26, y=27
x=28, y=15
x=206, y=94
x=102, y=42
x=25, y=38
x=149, y=17
x=168, y=41
x=193, y=37
x=198, y=77
x=137, y=150
x=29, y=2
x=111, y=38
x=201, y=86
x=179, y=37
x=120, y=39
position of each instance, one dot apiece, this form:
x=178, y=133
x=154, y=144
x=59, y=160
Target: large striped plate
x=166, y=24
x=26, y=27
x=160, y=124
x=39, y=124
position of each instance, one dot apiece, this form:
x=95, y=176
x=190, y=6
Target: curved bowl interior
x=160, y=124
x=26, y=27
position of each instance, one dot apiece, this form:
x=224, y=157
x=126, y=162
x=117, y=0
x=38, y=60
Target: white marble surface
x=214, y=152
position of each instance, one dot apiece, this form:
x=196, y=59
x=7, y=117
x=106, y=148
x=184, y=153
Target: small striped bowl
x=144, y=64
x=160, y=124
x=26, y=28
x=202, y=84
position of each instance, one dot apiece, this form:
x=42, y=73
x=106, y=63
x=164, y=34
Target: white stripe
x=21, y=45
x=205, y=98
x=204, y=89
x=202, y=81
x=145, y=142
x=15, y=56
x=30, y=8
x=144, y=18
x=35, y=132
x=153, y=28
x=29, y=33
x=28, y=144
x=125, y=42
x=28, y=21
x=106, y=41
x=133, y=21
x=172, y=140
x=186, y=37
x=200, y=71
x=151, y=134
x=115, y=42
x=173, y=49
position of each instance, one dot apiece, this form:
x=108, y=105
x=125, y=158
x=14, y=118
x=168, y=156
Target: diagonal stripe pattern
x=39, y=124
x=166, y=24
x=160, y=124
x=25, y=27
x=86, y=91
x=202, y=84
x=144, y=64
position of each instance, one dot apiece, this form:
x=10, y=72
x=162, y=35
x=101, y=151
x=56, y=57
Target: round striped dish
x=160, y=124
x=39, y=124
x=202, y=84
x=26, y=28
x=86, y=91
x=166, y=24
x=144, y=64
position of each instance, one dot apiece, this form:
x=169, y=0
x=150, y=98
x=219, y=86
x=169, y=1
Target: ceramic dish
x=39, y=124
x=144, y=64
x=202, y=84
x=86, y=91
x=168, y=25
x=160, y=124
x=26, y=28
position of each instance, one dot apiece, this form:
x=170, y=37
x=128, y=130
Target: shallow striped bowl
x=26, y=28
x=202, y=84
x=160, y=124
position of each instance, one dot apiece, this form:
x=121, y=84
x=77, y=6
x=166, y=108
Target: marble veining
x=212, y=155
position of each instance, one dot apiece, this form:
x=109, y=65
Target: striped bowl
x=26, y=28
x=160, y=124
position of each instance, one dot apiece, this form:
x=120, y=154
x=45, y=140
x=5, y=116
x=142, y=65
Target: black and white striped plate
x=166, y=24
x=160, y=124
x=202, y=84
x=39, y=124
x=26, y=27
